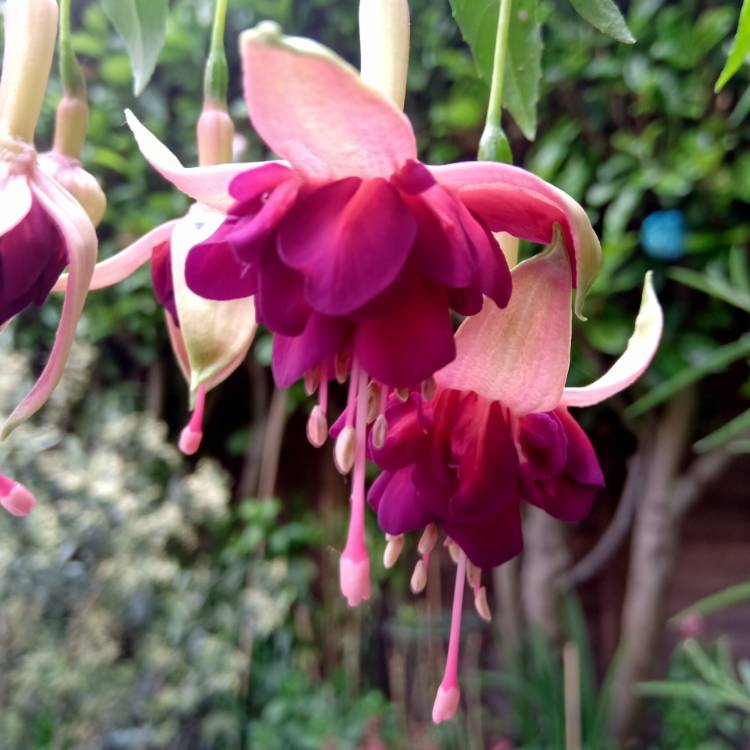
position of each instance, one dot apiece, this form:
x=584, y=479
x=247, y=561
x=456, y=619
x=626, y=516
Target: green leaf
x=715, y=362
x=740, y=48
x=714, y=285
x=142, y=25
x=731, y=430
x=477, y=20
x=605, y=16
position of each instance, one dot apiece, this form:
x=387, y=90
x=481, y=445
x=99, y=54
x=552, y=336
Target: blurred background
x=157, y=602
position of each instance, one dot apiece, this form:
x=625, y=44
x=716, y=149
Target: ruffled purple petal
x=544, y=444
x=395, y=499
x=408, y=343
x=161, y=279
x=213, y=270
x=569, y=493
x=33, y=254
x=293, y=356
x=280, y=304
x=351, y=239
x=492, y=541
x=406, y=436
x=487, y=467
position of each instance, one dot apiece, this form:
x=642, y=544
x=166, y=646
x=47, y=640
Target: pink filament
x=352, y=395
x=192, y=434
x=323, y=392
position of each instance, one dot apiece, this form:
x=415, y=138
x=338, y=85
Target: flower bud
x=494, y=145
x=82, y=185
x=215, y=132
x=384, y=41
x=30, y=33
x=71, y=123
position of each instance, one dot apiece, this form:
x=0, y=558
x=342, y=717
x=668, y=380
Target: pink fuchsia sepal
x=15, y=498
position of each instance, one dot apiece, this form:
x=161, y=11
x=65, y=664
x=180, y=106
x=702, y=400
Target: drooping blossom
x=497, y=431
x=43, y=228
x=209, y=338
x=355, y=251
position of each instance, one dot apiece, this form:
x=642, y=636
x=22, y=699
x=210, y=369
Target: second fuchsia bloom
x=43, y=228
x=497, y=432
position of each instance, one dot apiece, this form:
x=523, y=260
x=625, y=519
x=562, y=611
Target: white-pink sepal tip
x=19, y=501
x=354, y=577
x=446, y=704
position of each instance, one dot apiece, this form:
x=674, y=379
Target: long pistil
x=449, y=694
x=354, y=565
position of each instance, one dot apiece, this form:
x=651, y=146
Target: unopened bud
x=82, y=185
x=494, y=145
x=384, y=42
x=343, y=452
x=215, y=134
x=317, y=427
x=29, y=39
x=393, y=548
x=419, y=578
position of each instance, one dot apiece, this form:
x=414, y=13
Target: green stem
x=215, y=82
x=73, y=81
x=495, y=108
x=494, y=144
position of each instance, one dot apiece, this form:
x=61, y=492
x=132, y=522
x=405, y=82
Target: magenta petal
x=491, y=542
x=544, y=444
x=293, y=356
x=280, y=304
x=161, y=279
x=487, y=467
x=406, y=436
x=444, y=248
x=582, y=464
x=570, y=494
x=258, y=218
x=351, y=239
x=408, y=343
x=250, y=185
x=398, y=505
x=32, y=257
x=214, y=271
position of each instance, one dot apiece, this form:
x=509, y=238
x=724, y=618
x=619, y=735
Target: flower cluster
x=356, y=256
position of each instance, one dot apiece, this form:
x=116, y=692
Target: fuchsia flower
x=354, y=251
x=43, y=228
x=498, y=431
x=209, y=339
